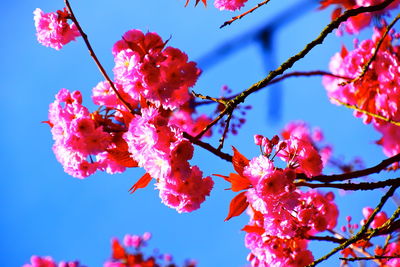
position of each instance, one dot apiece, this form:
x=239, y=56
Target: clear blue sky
x=46, y=212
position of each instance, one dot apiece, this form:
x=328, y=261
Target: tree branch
x=355, y=174
x=226, y=23
x=96, y=60
x=353, y=186
x=363, y=229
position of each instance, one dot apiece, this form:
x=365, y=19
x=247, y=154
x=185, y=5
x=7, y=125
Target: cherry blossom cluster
x=47, y=261
x=53, y=30
x=146, y=129
x=128, y=254
x=281, y=215
x=377, y=92
x=231, y=5
x=354, y=24
x=391, y=248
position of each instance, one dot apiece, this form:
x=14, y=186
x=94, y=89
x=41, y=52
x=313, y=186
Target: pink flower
x=53, y=29
x=185, y=195
x=302, y=156
x=144, y=67
x=37, y=261
x=379, y=219
x=231, y=5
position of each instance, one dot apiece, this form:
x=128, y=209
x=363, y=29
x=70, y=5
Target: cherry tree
x=148, y=116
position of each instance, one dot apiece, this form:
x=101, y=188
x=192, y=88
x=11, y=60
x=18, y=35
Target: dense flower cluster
x=377, y=92
x=37, y=261
x=154, y=82
x=163, y=152
x=231, y=5
x=354, y=24
x=53, y=30
x=281, y=215
x=145, y=68
x=80, y=137
x=128, y=254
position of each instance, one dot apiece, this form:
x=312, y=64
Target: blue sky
x=46, y=212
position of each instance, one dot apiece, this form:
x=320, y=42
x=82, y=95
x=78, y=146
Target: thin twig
x=327, y=238
x=226, y=128
x=375, y=257
x=355, y=174
x=353, y=186
x=211, y=124
x=206, y=97
x=233, y=103
x=363, y=229
x=290, y=62
x=283, y=77
x=397, y=123
x=208, y=147
x=367, y=65
x=244, y=14
x=96, y=60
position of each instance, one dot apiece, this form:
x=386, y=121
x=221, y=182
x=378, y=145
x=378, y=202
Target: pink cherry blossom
x=145, y=67
x=231, y=5
x=52, y=28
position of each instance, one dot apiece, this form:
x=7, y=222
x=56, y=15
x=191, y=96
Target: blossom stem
x=375, y=257
x=208, y=147
x=355, y=174
x=367, y=65
x=397, y=123
x=96, y=60
x=353, y=186
x=363, y=229
x=226, y=23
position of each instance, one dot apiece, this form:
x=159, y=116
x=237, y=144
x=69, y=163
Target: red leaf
x=118, y=252
x=253, y=229
x=141, y=183
x=237, y=206
x=122, y=157
x=336, y=13
x=49, y=123
x=239, y=161
x=239, y=182
x=223, y=176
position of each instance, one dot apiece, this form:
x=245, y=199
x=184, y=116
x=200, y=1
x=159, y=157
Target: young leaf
x=253, y=229
x=238, y=182
x=122, y=157
x=141, y=183
x=239, y=161
x=238, y=205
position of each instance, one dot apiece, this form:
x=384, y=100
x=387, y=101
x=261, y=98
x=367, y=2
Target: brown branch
x=397, y=123
x=279, y=79
x=233, y=103
x=211, y=124
x=367, y=65
x=375, y=257
x=355, y=174
x=363, y=229
x=244, y=14
x=327, y=238
x=290, y=62
x=226, y=128
x=96, y=60
x=208, y=147
x=209, y=98
x=353, y=186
